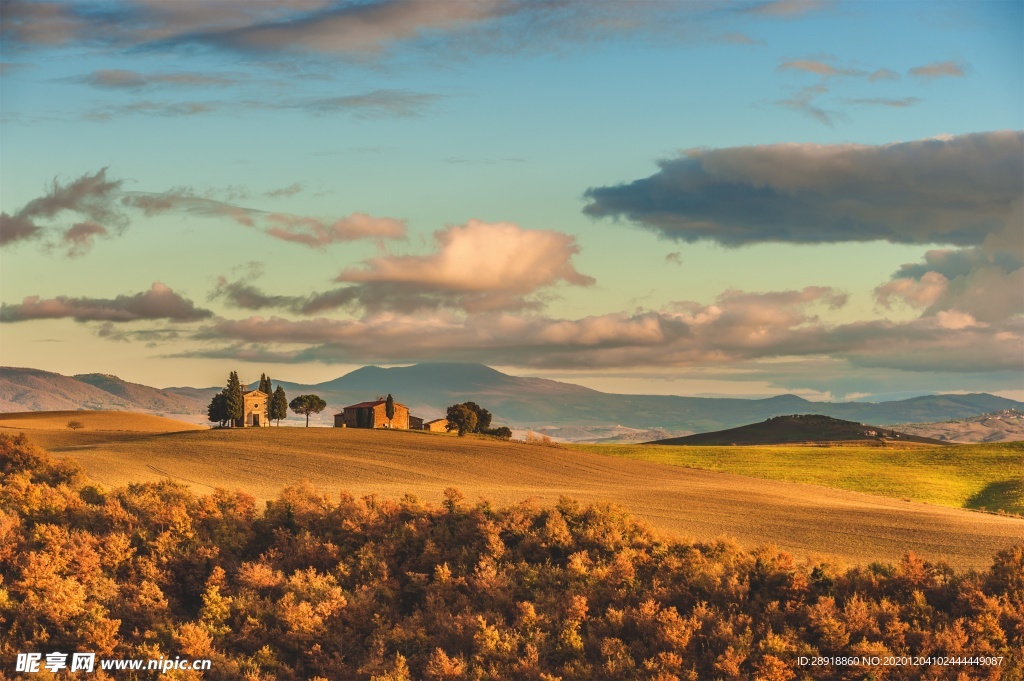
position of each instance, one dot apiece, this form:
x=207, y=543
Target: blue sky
x=306, y=187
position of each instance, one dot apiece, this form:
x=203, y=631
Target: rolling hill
x=798, y=428
x=1001, y=426
x=800, y=518
x=520, y=402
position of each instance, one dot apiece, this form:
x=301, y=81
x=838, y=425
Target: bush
x=369, y=588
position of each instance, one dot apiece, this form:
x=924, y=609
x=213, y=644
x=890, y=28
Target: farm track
x=802, y=519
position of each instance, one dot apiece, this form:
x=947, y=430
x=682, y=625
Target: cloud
x=819, y=68
x=674, y=258
x=159, y=302
x=309, y=231
x=784, y=8
x=957, y=190
x=124, y=79
x=106, y=208
x=90, y=196
x=375, y=104
x=354, y=30
x=883, y=74
x=318, y=233
x=737, y=327
x=368, y=105
x=803, y=102
x=940, y=69
x=79, y=238
x=477, y=267
x=987, y=286
x=739, y=39
x=290, y=190
x=884, y=101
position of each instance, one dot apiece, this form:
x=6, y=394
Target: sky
x=740, y=198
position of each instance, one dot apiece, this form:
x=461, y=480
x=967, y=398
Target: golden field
x=800, y=518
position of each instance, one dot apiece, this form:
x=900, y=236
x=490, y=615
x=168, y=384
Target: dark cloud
x=90, y=196
x=955, y=190
x=159, y=302
x=940, y=69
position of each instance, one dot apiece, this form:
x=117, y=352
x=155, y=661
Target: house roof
x=252, y=392
x=437, y=420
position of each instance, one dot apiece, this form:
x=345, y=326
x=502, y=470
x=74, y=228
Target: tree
x=481, y=421
x=218, y=409
x=308, y=404
x=461, y=418
x=75, y=425
x=265, y=386
x=389, y=408
x=483, y=417
x=278, y=406
x=235, y=400
x=502, y=432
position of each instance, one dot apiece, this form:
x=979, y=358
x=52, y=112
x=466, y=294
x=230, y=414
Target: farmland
x=803, y=519
x=977, y=476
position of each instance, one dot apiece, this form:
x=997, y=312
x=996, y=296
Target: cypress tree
x=235, y=406
x=279, y=406
x=389, y=409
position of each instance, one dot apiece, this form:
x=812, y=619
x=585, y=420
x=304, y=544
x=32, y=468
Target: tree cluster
x=470, y=417
x=228, y=406
x=375, y=590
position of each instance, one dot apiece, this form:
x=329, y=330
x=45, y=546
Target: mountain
x=34, y=390
x=797, y=429
x=520, y=402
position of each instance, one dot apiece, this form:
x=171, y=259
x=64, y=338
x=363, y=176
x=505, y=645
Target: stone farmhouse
x=256, y=410
x=436, y=426
x=373, y=414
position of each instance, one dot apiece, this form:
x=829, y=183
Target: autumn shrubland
x=314, y=587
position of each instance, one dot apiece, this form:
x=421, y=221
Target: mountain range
x=520, y=402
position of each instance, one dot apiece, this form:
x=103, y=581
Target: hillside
x=519, y=402
x=24, y=389
x=89, y=421
x=803, y=519
x=797, y=428
x=1000, y=426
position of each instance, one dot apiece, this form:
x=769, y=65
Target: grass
x=977, y=476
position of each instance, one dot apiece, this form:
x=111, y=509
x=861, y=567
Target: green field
x=977, y=476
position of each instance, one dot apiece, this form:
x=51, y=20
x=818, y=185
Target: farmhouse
x=436, y=426
x=255, y=410
x=372, y=415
